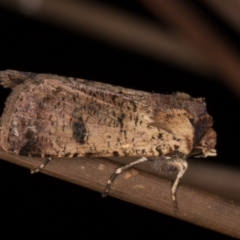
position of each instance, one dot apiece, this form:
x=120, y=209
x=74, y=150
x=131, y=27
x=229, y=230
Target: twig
x=135, y=186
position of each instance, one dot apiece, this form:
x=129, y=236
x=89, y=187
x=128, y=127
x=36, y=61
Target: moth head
x=206, y=145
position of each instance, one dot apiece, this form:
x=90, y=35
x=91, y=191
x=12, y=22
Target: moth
x=51, y=116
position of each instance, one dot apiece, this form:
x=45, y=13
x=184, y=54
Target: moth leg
x=118, y=171
x=12, y=78
x=37, y=169
x=182, y=167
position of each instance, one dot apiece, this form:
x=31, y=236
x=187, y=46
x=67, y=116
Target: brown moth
x=52, y=116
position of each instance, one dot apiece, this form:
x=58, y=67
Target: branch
x=135, y=186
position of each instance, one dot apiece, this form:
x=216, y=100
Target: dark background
x=60, y=209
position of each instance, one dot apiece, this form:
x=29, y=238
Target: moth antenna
x=118, y=171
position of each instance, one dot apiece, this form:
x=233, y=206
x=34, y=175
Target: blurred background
x=145, y=45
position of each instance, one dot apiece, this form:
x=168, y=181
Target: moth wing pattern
x=56, y=116
x=122, y=121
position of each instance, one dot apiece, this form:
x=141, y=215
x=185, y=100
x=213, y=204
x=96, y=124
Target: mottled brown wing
x=55, y=116
x=48, y=115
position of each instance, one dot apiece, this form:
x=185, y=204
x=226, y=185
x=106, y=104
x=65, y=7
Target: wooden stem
x=135, y=186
